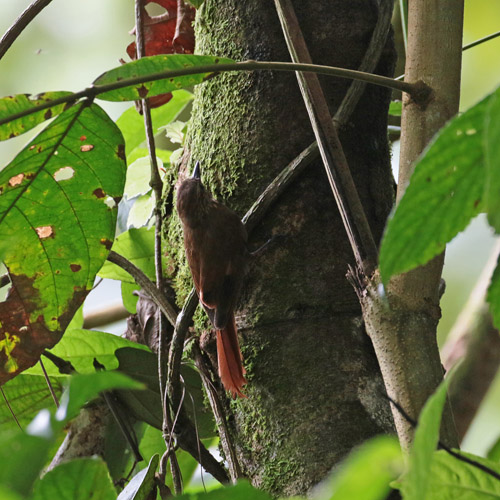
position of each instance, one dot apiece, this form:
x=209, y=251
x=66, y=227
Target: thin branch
x=143, y=281
x=20, y=23
x=337, y=169
x=481, y=40
x=49, y=384
x=105, y=316
x=368, y=64
x=419, y=91
x=10, y=408
x=157, y=185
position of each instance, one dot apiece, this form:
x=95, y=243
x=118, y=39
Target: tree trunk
x=314, y=387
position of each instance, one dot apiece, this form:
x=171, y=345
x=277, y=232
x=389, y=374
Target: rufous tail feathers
x=229, y=358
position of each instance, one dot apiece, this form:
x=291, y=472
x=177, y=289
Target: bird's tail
x=229, y=358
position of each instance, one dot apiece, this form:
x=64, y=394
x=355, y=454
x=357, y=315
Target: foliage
x=456, y=178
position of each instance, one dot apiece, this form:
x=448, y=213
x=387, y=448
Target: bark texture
x=314, y=386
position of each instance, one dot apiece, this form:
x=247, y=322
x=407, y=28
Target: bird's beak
x=196, y=171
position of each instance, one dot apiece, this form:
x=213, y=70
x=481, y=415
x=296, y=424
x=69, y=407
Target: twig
x=157, y=186
x=49, y=384
x=368, y=64
x=419, y=91
x=219, y=414
x=143, y=281
x=337, y=169
x=105, y=316
x=10, y=408
x=20, y=23
x=481, y=40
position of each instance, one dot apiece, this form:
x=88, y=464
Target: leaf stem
x=419, y=91
x=20, y=23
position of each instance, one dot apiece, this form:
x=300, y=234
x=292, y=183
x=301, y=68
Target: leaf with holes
x=58, y=206
x=21, y=102
x=149, y=66
x=445, y=192
x=492, y=156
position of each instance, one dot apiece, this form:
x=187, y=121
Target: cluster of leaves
x=456, y=178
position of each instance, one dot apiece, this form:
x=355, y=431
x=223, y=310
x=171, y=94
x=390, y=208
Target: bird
x=215, y=242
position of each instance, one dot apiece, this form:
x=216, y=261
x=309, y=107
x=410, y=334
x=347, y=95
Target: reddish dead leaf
x=23, y=338
x=86, y=147
x=170, y=33
x=16, y=180
x=45, y=232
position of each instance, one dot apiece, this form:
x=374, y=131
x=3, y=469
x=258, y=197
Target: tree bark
x=314, y=387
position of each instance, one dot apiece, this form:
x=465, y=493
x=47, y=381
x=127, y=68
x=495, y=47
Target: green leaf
x=22, y=457
x=57, y=222
x=138, y=246
x=494, y=451
x=142, y=483
x=163, y=154
x=452, y=479
x=138, y=175
x=129, y=299
x=131, y=123
x=445, y=192
x=80, y=479
x=7, y=494
x=492, y=156
x=17, y=103
x=176, y=131
x=27, y=395
x=81, y=347
x=493, y=296
x=141, y=211
x=415, y=483
x=366, y=473
x=241, y=491
x=153, y=65
x=395, y=108
x=84, y=388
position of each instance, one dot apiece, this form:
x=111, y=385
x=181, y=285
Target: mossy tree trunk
x=314, y=387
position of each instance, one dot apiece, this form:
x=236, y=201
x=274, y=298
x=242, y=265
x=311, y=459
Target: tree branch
x=337, y=169
x=419, y=91
x=20, y=24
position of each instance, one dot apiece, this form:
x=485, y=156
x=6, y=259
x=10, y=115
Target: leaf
x=138, y=245
x=142, y=483
x=79, y=479
x=129, y=299
x=22, y=457
x=445, y=192
x=494, y=452
x=142, y=211
x=84, y=388
x=57, y=222
x=131, y=123
x=6, y=494
x=150, y=66
x=395, y=108
x=81, y=347
x=163, y=154
x=27, y=395
x=146, y=405
x=415, y=483
x=492, y=157
x=366, y=473
x=452, y=479
x=175, y=131
x=20, y=102
x=493, y=295
x=138, y=175
x=241, y=491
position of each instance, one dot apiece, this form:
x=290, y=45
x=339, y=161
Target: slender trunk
x=314, y=388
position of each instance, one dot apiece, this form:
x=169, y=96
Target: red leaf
x=170, y=33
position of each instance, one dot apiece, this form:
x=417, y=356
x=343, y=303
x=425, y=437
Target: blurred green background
x=72, y=42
